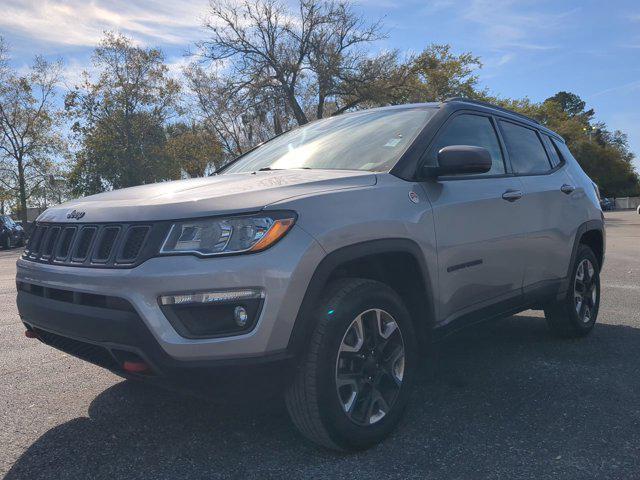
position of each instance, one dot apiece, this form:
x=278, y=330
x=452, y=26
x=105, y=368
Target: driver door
x=478, y=225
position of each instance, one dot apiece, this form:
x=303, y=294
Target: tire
x=343, y=351
x=576, y=314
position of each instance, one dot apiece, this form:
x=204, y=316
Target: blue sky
x=529, y=48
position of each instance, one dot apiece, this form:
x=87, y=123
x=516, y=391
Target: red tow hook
x=30, y=334
x=135, y=367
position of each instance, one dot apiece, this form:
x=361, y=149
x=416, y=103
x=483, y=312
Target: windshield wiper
x=269, y=169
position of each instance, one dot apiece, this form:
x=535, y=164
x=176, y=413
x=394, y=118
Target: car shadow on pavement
x=503, y=400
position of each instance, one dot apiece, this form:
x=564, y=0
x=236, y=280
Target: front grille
x=106, y=245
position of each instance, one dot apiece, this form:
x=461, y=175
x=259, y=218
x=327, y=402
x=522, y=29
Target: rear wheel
x=576, y=314
x=352, y=388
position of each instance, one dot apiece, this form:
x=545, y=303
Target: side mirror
x=459, y=159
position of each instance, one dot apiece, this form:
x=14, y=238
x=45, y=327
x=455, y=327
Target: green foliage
x=120, y=118
x=193, y=150
x=30, y=128
x=437, y=74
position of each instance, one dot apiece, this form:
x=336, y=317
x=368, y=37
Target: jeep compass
x=339, y=249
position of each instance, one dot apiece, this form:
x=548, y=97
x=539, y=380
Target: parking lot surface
x=503, y=400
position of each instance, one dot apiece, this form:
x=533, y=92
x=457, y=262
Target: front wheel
x=576, y=314
x=352, y=387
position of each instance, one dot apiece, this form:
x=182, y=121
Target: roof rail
x=490, y=105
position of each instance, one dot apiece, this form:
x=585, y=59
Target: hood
x=200, y=197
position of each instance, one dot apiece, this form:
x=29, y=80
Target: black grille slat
x=49, y=242
x=33, y=241
x=106, y=245
x=36, y=241
x=64, y=245
x=134, y=240
x=83, y=244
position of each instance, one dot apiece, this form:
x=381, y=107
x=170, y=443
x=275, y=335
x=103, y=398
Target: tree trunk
x=23, y=192
x=277, y=123
x=320, y=111
x=301, y=118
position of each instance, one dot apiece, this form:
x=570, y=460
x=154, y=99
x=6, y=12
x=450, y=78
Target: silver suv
x=332, y=253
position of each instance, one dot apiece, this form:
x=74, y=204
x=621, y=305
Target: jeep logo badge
x=75, y=214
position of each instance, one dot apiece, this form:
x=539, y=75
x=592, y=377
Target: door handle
x=566, y=188
x=512, y=195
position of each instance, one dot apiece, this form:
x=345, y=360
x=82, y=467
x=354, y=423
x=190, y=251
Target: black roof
x=490, y=105
x=502, y=110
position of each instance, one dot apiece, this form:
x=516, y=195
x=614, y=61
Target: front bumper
x=284, y=271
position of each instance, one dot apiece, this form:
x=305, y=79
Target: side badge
x=413, y=196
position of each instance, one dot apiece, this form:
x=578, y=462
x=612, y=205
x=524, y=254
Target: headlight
x=228, y=235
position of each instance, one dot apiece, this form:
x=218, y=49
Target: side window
x=552, y=150
x=525, y=149
x=473, y=130
x=563, y=150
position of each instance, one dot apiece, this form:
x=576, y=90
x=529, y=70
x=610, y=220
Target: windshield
x=370, y=140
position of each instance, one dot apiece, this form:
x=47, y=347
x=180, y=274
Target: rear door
x=478, y=224
x=548, y=204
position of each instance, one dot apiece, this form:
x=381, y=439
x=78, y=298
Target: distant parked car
x=11, y=234
x=638, y=209
x=607, y=204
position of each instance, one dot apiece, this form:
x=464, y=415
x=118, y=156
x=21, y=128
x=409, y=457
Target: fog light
x=213, y=313
x=241, y=316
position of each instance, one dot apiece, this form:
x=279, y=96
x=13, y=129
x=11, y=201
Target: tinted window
x=473, y=130
x=552, y=150
x=562, y=149
x=372, y=140
x=525, y=149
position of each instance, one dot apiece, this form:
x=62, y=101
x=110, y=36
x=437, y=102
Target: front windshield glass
x=370, y=140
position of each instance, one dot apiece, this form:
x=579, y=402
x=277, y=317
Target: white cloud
x=624, y=88
x=81, y=23
x=510, y=24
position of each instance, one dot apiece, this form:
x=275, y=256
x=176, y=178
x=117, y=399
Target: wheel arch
x=592, y=234
x=397, y=262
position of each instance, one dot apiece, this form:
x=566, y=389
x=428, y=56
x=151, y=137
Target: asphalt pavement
x=502, y=401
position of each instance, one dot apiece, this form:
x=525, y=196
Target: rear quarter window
x=552, y=150
x=526, y=152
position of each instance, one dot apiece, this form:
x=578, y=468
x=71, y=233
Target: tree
x=437, y=74
x=571, y=104
x=29, y=127
x=193, y=150
x=120, y=117
x=312, y=53
x=238, y=118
